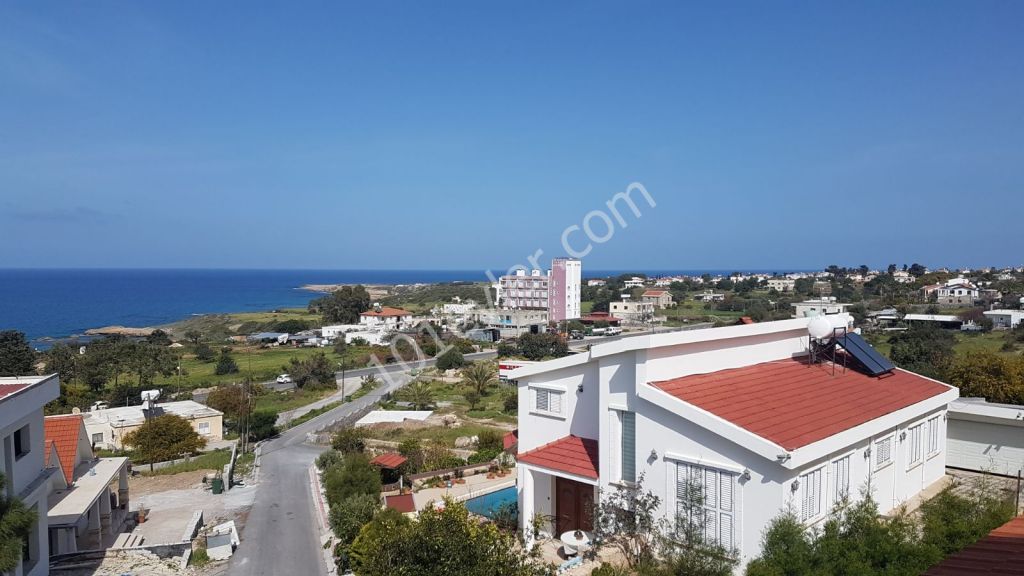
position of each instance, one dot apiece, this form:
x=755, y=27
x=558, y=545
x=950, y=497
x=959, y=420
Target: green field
x=966, y=343
x=208, y=461
x=260, y=364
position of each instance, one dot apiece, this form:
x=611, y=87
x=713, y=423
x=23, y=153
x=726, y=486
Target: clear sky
x=461, y=135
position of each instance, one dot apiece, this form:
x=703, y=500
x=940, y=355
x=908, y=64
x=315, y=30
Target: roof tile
x=571, y=454
x=62, y=433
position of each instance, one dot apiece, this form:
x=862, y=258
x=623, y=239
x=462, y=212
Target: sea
x=50, y=304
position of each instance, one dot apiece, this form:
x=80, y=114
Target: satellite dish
x=820, y=328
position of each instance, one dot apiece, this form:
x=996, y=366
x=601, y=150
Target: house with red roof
x=85, y=511
x=385, y=318
x=660, y=298
x=761, y=418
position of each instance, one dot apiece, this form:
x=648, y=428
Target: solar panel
x=859, y=348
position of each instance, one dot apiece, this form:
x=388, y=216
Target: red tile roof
x=746, y=320
x=1001, y=552
x=571, y=454
x=8, y=389
x=654, y=292
x=401, y=502
x=387, y=311
x=62, y=433
x=510, y=440
x=793, y=403
x=390, y=460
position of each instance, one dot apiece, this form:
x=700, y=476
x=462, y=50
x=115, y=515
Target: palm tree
x=420, y=395
x=16, y=523
x=480, y=376
x=369, y=382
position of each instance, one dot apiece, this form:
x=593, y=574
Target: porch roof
x=571, y=454
x=68, y=505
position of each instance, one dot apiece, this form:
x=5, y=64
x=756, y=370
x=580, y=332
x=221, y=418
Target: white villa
x=741, y=410
x=385, y=318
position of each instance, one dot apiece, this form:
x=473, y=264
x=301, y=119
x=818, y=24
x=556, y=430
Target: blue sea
x=59, y=303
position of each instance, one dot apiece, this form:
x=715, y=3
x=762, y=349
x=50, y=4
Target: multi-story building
x=745, y=416
x=818, y=307
x=781, y=284
x=957, y=292
x=558, y=292
x=385, y=318
x=512, y=322
x=564, y=289
x=660, y=298
x=23, y=460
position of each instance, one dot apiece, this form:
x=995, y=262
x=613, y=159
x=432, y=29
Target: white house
x=957, y=292
x=23, y=460
x=385, y=317
x=1005, y=318
x=739, y=410
x=632, y=311
x=634, y=282
x=781, y=284
x=816, y=307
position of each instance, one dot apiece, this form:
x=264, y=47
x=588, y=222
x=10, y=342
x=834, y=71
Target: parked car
x=613, y=331
x=576, y=335
x=284, y=379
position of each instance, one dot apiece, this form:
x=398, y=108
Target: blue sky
x=465, y=135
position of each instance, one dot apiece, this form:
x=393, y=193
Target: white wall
x=578, y=408
x=986, y=446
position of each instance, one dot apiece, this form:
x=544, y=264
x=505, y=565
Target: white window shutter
x=726, y=495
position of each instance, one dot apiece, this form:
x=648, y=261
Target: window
x=840, y=480
x=626, y=431
x=22, y=444
x=810, y=495
x=547, y=401
x=705, y=503
x=883, y=452
x=97, y=438
x=933, y=435
x=913, y=442
x=204, y=428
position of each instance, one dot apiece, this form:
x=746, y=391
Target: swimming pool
x=488, y=504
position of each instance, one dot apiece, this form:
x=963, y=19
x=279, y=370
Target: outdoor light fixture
x=579, y=387
x=654, y=454
x=903, y=436
x=867, y=452
x=783, y=457
x=746, y=474
x=795, y=486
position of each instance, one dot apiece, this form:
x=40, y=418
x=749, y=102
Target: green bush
x=349, y=440
x=353, y=477
x=328, y=459
x=451, y=359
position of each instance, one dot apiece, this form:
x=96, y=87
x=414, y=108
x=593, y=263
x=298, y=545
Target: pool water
x=488, y=504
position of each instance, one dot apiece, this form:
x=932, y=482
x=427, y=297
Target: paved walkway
x=476, y=485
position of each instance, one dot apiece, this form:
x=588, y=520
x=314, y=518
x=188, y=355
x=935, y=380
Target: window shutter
x=628, y=420
x=556, y=402
x=710, y=488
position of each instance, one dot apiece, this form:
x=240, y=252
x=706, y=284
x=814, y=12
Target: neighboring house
x=818, y=307
x=513, y=323
x=595, y=282
x=985, y=436
x=84, y=512
x=958, y=292
x=107, y=427
x=940, y=320
x=1001, y=551
x=660, y=298
x=558, y=291
x=524, y=291
x=632, y=311
x=740, y=411
x=903, y=277
x=708, y=296
x=273, y=338
x=595, y=317
x=634, y=282
x=781, y=284
x=385, y=318
x=1005, y=318
x=23, y=460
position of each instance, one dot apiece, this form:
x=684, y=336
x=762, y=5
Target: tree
x=164, y=438
x=16, y=523
x=262, y=425
x=440, y=542
x=193, y=336
x=490, y=439
x=925, y=350
x=450, y=359
x=480, y=376
x=347, y=519
x=226, y=364
x=473, y=398
x=369, y=382
x=420, y=394
x=412, y=450
x=342, y=306
x=16, y=357
x=355, y=476
x=60, y=359
x=229, y=399
x=315, y=372
x=988, y=375
x=542, y=346
x=158, y=338
x=349, y=441
x=204, y=353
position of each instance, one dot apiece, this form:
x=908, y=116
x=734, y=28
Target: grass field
x=208, y=461
x=966, y=343
x=261, y=364
x=278, y=402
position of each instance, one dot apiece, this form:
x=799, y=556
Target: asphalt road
x=281, y=535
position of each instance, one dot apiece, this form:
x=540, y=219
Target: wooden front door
x=574, y=506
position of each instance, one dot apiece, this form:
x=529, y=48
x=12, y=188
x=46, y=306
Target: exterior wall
x=578, y=408
x=634, y=311
x=112, y=435
x=992, y=446
x=564, y=289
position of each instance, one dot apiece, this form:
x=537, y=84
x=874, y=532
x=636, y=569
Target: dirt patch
x=146, y=485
